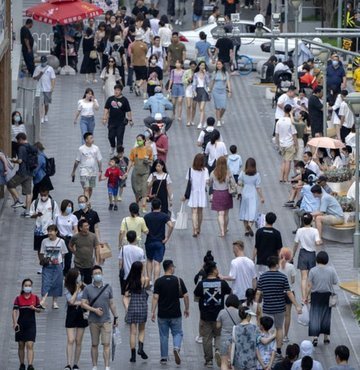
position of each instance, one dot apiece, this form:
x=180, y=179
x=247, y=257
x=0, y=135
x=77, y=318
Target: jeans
x=29, y=61
x=87, y=124
x=116, y=135
x=176, y=331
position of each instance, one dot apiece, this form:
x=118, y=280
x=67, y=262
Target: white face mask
x=44, y=198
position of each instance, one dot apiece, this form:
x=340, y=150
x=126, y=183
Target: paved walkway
x=249, y=123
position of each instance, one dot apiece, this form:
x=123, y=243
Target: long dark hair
x=215, y=137
x=108, y=65
x=156, y=162
x=88, y=90
x=133, y=281
x=223, y=69
x=23, y=282
x=197, y=69
x=71, y=280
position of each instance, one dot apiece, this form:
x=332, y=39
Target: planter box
x=340, y=187
x=349, y=217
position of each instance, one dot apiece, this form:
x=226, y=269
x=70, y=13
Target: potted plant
x=339, y=179
x=348, y=207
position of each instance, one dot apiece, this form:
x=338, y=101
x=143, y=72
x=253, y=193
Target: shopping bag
x=333, y=300
x=304, y=317
x=105, y=251
x=260, y=220
x=181, y=219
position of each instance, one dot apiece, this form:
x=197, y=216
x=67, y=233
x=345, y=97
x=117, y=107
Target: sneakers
x=119, y=199
x=30, y=367
x=110, y=207
x=180, y=23
x=177, y=356
x=107, y=368
x=22, y=367
x=198, y=339
x=163, y=361
x=131, y=89
x=46, y=119
x=95, y=81
x=289, y=203
x=17, y=204
x=75, y=367
x=111, y=152
x=42, y=120
x=286, y=339
x=94, y=368
x=218, y=124
x=143, y=210
x=55, y=306
x=68, y=367
x=177, y=21
x=218, y=358
x=115, y=207
x=199, y=126
x=39, y=272
x=208, y=364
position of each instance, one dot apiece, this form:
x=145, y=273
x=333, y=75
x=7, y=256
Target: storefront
x=5, y=75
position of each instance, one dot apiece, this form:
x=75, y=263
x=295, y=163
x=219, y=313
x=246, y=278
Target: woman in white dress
x=250, y=180
x=110, y=75
x=199, y=176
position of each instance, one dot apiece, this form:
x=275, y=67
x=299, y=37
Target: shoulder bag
x=45, y=261
x=230, y=316
x=232, y=188
x=188, y=186
x=86, y=313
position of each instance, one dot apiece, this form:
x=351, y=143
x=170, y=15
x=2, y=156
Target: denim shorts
x=306, y=260
x=196, y=18
x=113, y=190
x=177, y=91
x=155, y=251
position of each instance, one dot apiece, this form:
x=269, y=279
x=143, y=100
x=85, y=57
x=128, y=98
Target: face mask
x=17, y=118
x=335, y=63
x=78, y=280
x=140, y=142
x=44, y=199
x=27, y=289
x=68, y=210
x=43, y=64
x=298, y=171
x=98, y=278
x=82, y=205
x=153, y=61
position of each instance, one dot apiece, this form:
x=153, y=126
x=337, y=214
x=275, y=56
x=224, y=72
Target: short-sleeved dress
x=26, y=319
x=88, y=65
x=249, y=201
x=159, y=188
x=198, y=185
x=219, y=89
x=138, y=307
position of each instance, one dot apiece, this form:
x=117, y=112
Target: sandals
x=315, y=342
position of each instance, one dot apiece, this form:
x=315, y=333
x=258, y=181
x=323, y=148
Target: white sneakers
x=46, y=119
x=218, y=124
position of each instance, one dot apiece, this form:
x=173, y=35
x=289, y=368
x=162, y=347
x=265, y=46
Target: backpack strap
x=36, y=204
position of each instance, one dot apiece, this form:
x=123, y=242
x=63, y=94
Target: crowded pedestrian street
x=248, y=124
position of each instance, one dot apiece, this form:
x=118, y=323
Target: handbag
x=260, y=220
x=232, y=188
x=105, y=251
x=181, y=219
x=86, y=313
x=333, y=300
x=188, y=186
x=93, y=54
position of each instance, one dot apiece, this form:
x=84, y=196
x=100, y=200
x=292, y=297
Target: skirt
x=189, y=92
x=139, y=183
x=27, y=332
x=320, y=314
x=201, y=95
x=138, y=308
x=52, y=281
x=222, y=200
x=75, y=317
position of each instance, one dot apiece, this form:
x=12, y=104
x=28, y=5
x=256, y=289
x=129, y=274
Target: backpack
x=32, y=157
x=50, y=168
x=207, y=137
x=52, y=207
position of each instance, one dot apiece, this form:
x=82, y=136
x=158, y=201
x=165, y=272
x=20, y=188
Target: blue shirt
x=39, y=172
x=202, y=47
x=330, y=205
x=309, y=203
x=334, y=76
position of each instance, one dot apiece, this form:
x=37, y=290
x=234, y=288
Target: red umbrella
x=63, y=11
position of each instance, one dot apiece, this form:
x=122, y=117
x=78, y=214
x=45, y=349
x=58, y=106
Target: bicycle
x=244, y=64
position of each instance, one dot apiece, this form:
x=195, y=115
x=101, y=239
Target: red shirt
x=113, y=175
x=162, y=142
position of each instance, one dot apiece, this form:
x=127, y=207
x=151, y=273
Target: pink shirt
x=162, y=142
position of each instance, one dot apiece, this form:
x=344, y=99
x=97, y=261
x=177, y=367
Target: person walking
x=220, y=87
x=135, y=302
x=322, y=279
x=88, y=160
x=27, y=44
x=156, y=239
x=203, y=49
x=45, y=75
x=51, y=254
x=187, y=82
x=66, y=222
x=98, y=300
x=117, y=113
x=88, y=65
x=175, y=51
x=138, y=62
x=161, y=141
x=110, y=76
x=214, y=149
x=200, y=85
x=176, y=89
x=273, y=286
x=86, y=110
x=210, y=293
x=250, y=180
x=222, y=183
x=84, y=245
x=75, y=323
x=198, y=175
x=24, y=322
x=168, y=290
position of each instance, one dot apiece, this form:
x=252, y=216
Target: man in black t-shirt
x=27, y=43
x=268, y=243
x=117, y=113
x=156, y=221
x=168, y=290
x=140, y=8
x=210, y=293
x=225, y=51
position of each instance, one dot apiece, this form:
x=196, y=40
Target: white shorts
x=189, y=92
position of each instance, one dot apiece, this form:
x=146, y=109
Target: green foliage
x=339, y=175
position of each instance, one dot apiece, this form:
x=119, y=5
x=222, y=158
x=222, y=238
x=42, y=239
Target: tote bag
x=181, y=219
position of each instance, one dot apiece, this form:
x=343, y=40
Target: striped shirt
x=16, y=129
x=273, y=285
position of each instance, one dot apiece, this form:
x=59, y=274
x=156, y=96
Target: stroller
x=282, y=80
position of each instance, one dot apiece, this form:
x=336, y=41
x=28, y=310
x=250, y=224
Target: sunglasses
x=111, y=61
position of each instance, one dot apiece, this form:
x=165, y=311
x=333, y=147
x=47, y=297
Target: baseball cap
x=43, y=59
x=251, y=313
x=158, y=116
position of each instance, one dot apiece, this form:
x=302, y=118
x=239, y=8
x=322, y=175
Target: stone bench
x=342, y=234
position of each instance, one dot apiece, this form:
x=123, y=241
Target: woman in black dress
x=88, y=65
x=135, y=302
x=24, y=322
x=75, y=323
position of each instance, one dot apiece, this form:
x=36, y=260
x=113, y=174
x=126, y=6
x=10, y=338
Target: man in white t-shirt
x=89, y=161
x=346, y=117
x=286, y=139
x=130, y=253
x=242, y=272
x=308, y=238
x=45, y=75
x=159, y=51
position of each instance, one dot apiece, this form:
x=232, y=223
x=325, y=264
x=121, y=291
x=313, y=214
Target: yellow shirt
x=356, y=79
x=140, y=153
x=134, y=223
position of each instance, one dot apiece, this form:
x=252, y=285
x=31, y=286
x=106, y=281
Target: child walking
x=265, y=352
x=123, y=166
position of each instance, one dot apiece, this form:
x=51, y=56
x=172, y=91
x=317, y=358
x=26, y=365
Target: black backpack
x=50, y=167
x=207, y=137
x=32, y=157
x=52, y=207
